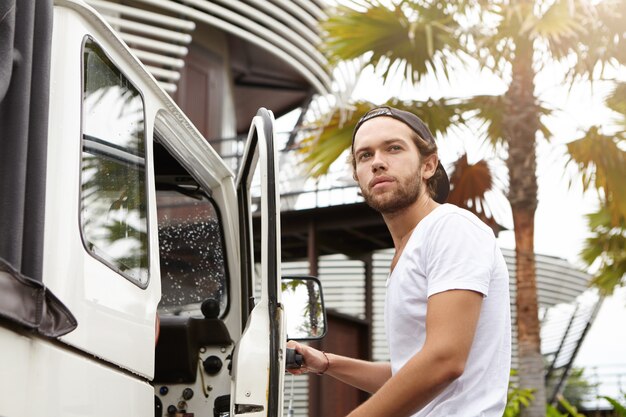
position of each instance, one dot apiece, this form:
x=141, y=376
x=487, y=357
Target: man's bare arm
x=451, y=321
x=364, y=375
x=367, y=376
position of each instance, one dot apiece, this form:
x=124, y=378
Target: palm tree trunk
x=314, y=308
x=531, y=366
x=521, y=122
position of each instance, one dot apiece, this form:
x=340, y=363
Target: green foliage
x=603, y=166
x=488, y=109
x=573, y=32
x=496, y=43
x=619, y=408
x=570, y=409
x=604, y=43
x=577, y=388
x=607, y=248
x=331, y=136
x=517, y=398
x=616, y=101
x=552, y=411
x=417, y=36
x=523, y=397
x=602, y=161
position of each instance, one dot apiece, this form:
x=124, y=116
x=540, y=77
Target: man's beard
x=406, y=193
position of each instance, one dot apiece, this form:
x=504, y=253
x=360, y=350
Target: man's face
x=388, y=164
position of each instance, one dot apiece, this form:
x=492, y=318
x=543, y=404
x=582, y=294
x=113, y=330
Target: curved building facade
x=223, y=59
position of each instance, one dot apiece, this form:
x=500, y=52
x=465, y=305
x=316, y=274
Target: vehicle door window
x=113, y=199
x=193, y=266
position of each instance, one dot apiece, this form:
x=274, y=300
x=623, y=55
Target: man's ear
x=429, y=166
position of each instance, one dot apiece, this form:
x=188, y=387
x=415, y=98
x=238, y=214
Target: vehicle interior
x=194, y=346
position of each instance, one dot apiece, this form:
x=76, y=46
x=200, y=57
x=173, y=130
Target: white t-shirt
x=452, y=249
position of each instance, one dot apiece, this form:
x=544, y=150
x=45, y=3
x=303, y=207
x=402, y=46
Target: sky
x=560, y=223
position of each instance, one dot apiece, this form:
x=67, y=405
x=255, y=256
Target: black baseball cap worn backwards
x=419, y=127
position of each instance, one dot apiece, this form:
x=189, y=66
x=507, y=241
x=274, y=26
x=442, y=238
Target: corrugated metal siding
x=300, y=398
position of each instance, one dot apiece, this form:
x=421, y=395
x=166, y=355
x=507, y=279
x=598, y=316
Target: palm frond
x=569, y=407
x=498, y=44
x=469, y=183
x=607, y=248
x=602, y=164
x=329, y=136
x=620, y=409
x=611, y=19
x=616, y=100
x=605, y=42
x=411, y=42
x=489, y=110
x=561, y=26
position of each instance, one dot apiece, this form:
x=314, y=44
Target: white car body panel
x=56, y=382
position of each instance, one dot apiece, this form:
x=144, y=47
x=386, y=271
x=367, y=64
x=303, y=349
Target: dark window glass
x=191, y=252
x=113, y=174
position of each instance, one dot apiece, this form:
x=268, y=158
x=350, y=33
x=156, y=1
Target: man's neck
x=402, y=223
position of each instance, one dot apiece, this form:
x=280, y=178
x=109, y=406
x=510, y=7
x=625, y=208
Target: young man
x=447, y=311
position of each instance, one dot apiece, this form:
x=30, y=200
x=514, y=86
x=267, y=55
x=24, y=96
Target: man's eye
x=364, y=155
x=395, y=148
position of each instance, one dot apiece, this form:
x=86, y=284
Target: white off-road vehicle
x=142, y=300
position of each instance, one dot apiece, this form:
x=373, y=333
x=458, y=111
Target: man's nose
x=378, y=163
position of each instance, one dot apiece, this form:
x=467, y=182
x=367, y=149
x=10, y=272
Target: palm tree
x=512, y=39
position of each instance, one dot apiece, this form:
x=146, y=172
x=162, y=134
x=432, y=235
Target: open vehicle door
x=258, y=362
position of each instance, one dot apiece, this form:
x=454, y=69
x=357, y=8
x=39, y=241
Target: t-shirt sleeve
x=459, y=256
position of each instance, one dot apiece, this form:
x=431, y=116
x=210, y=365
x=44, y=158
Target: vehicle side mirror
x=305, y=315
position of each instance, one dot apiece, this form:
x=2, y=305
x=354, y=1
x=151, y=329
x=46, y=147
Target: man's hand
x=364, y=375
x=314, y=360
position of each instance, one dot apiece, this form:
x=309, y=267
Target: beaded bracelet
x=327, y=364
